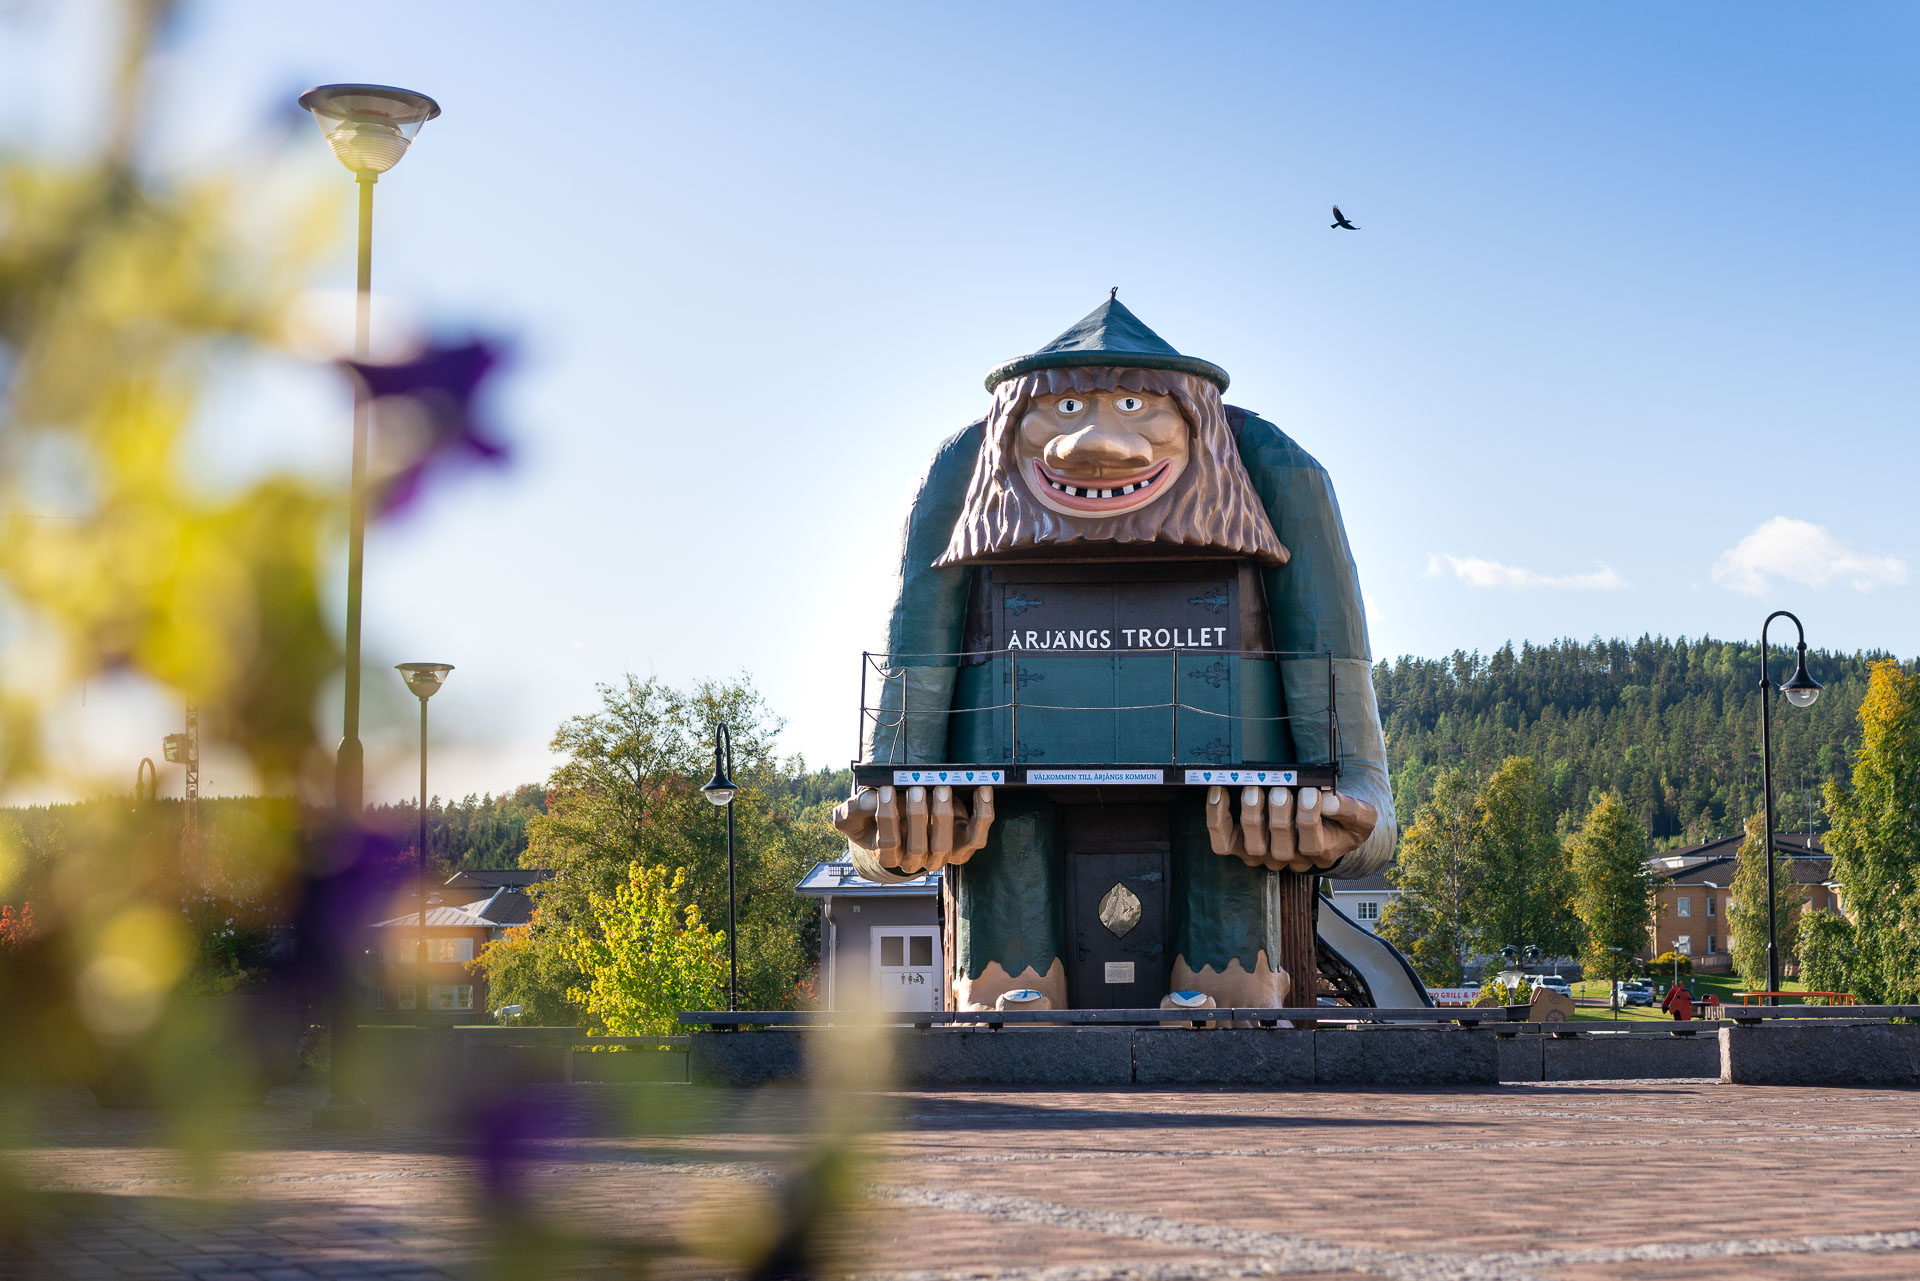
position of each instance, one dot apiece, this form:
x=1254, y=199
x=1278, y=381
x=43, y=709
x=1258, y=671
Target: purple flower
x=441, y=383
x=353, y=874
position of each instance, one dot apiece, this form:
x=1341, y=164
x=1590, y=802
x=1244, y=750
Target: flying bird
x=1340, y=220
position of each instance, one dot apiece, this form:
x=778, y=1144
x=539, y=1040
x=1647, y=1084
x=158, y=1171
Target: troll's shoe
x=1023, y=998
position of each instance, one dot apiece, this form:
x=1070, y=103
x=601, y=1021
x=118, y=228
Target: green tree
x=628, y=791
x=1826, y=952
x=530, y=967
x=1665, y=723
x=645, y=957
x=1747, y=907
x=1525, y=891
x=1613, y=894
x=1437, y=875
x=1875, y=840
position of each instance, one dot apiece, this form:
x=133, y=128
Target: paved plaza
x=1638, y=1180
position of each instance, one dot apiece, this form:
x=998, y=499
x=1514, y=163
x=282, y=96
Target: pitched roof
x=493, y=878
x=838, y=877
x=1806, y=869
x=504, y=907
x=1375, y=884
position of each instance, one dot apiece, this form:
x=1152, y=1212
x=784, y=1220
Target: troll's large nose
x=1098, y=446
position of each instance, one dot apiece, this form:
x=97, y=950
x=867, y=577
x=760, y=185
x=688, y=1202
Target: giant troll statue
x=1115, y=569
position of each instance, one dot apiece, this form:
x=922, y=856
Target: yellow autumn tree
x=645, y=957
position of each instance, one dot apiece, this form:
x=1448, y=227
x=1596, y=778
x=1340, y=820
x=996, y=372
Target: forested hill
x=1672, y=725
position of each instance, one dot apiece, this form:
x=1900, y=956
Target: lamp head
x=424, y=679
x=369, y=127
x=719, y=789
x=1800, y=688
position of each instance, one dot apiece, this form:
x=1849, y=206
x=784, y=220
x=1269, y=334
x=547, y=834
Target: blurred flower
x=357, y=870
x=428, y=401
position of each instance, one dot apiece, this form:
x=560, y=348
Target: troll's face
x=1101, y=453
x=1111, y=455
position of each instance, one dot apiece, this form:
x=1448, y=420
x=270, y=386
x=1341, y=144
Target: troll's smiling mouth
x=1103, y=495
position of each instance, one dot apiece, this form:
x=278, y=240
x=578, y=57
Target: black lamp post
x=425, y=680
x=1802, y=691
x=720, y=790
x=369, y=128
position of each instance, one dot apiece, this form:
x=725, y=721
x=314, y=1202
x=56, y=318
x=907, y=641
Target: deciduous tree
x=1747, y=907
x=645, y=957
x=1613, y=885
x=628, y=791
x=1437, y=874
x=1525, y=893
x=1875, y=840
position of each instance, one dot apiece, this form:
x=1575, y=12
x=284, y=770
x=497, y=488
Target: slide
x=1371, y=967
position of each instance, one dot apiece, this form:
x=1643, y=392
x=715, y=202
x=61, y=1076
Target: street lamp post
x=1802, y=691
x=425, y=680
x=720, y=790
x=369, y=128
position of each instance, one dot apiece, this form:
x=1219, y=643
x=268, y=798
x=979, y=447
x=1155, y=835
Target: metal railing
x=891, y=669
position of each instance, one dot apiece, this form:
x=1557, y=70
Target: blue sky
x=1625, y=343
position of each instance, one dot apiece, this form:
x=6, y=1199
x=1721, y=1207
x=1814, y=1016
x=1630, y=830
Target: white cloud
x=1802, y=552
x=1477, y=571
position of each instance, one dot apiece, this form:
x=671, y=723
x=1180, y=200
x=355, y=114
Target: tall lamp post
x=720, y=790
x=369, y=128
x=1801, y=690
x=425, y=680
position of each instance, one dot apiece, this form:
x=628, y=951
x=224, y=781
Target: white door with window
x=906, y=967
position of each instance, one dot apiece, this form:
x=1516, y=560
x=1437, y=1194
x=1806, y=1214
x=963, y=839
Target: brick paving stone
x=1519, y=1181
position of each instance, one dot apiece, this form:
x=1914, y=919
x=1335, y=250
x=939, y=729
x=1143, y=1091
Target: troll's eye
x=1071, y=406
x=1130, y=404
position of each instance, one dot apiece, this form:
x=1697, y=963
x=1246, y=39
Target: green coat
x=1313, y=602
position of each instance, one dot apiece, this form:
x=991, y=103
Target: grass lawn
x=1703, y=985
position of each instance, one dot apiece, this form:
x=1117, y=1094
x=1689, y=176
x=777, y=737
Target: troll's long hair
x=1211, y=506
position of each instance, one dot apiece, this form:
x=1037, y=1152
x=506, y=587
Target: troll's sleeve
x=916, y=675
x=1314, y=608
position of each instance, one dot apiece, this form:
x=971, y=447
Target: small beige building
x=881, y=946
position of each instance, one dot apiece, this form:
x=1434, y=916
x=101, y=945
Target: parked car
x=1552, y=982
x=1634, y=991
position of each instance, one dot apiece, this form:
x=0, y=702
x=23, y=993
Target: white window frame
x=407, y=997
x=455, y=946
x=1710, y=905
x=1686, y=905
x=1367, y=911
x=462, y=996
x=1683, y=944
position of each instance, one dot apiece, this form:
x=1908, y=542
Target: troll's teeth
x=1072, y=492
x=1128, y=489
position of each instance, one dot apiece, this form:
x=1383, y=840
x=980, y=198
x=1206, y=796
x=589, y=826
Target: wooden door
x=1119, y=942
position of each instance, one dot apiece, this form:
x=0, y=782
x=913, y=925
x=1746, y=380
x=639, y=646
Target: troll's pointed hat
x=1110, y=335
